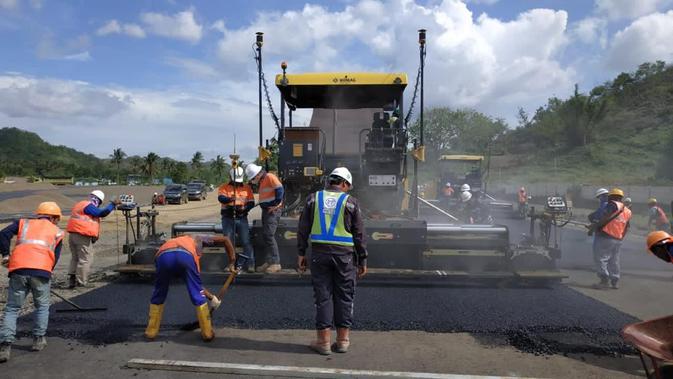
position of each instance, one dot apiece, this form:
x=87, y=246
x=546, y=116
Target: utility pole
x=259, y=41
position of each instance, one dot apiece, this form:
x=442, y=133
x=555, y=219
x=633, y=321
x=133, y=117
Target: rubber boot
x=203, y=315
x=156, y=311
x=72, y=281
x=322, y=343
x=342, y=341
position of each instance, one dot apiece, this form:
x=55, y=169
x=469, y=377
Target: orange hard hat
x=657, y=237
x=48, y=208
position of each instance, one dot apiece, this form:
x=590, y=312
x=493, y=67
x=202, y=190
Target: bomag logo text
x=343, y=80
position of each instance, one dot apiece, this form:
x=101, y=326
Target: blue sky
x=174, y=77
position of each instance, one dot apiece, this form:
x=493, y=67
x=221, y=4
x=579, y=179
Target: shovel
x=195, y=324
x=76, y=308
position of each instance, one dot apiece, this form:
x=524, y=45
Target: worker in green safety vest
x=332, y=222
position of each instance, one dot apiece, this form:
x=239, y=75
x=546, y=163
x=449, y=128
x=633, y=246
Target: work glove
x=233, y=269
x=5, y=261
x=214, y=302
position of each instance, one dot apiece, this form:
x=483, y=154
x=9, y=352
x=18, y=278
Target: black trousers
x=333, y=278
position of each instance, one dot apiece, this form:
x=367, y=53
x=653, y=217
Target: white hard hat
x=239, y=175
x=99, y=194
x=465, y=196
x=343, y=173
x=448, y=184
x=465, y=187
x=601, y=191
x=251, y=170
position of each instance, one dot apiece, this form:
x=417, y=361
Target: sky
x=176, y=77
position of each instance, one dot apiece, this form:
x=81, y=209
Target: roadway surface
x=557, y=320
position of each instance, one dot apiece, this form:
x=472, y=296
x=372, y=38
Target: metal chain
x=266, y=90
x=413, y=99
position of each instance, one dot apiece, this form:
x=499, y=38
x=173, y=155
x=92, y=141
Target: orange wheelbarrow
x=654, y=340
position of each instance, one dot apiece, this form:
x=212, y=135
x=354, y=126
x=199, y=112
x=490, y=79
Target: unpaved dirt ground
x=72, y=352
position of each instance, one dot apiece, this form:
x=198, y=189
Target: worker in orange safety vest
x=31, y=263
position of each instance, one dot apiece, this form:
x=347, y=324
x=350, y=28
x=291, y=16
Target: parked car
x=197, y=191
x=176, y=194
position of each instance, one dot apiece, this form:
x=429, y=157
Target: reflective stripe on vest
x=329, y=209
x=35, y=245
x=616, y=228
x=185, y=244
x=82, y=223
x=267, y=187
x=243, y=195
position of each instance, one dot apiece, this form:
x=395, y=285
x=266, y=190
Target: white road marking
x=285, y=371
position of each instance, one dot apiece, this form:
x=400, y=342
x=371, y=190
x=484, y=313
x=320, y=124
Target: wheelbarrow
x=654, y=341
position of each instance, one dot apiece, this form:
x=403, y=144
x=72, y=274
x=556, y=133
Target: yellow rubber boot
x=156, y=311
x=203, y=315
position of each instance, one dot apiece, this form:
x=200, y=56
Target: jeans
x=19, y=286
x=269, y=226
x=243, y=236
x=606, y=257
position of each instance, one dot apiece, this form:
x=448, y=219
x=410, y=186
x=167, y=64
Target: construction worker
x=332, y=221
x=447, y=194
x=602, y=195
x=237, y=200
x=465, y=187
x=37, y=249
x=84, y=230
x=610, y=230
x=180, y=258
x=271, y=193
x=657, y=217
x=660, y=244
x=522, y=200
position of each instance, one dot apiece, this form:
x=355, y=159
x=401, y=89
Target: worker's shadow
x=242, y=344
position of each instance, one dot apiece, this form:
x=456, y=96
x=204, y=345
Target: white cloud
x=194, y=68
x=9, y=4
x=647, y=39
x=80, y=57
x=485, y=63
x=591, y=30
x=219, y=26
x=181, y=25
x=487, y=2
x=28, y=97
x=629, y=9
x=113, y=27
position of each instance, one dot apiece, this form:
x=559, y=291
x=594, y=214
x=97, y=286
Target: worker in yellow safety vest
x=332, y=222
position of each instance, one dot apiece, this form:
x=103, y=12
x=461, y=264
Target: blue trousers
x=19, y=286
x=177, y=264
x=242, y=228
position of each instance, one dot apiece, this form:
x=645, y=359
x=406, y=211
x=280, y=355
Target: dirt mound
x=24, y=186
x=27, y=204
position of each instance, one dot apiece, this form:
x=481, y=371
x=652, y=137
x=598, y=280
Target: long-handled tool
x=76, y=308
x=195, y=324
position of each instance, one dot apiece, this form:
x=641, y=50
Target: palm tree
x=197, y=161
x=150, y=165
x=218, y=165
x=117, y=157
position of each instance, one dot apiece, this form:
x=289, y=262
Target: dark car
x=176, y=194
x=197, y=191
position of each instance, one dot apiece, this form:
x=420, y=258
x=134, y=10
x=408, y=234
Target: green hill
x=24, y=153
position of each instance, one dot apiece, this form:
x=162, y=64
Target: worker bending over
x=180, y=258
x=657, y=217
x=271, y=194
x=332, y=221
x=37, y=249
x=84, y=230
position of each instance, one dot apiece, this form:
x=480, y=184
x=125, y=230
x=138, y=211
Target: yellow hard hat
x=48, y=208
x=657, y=237
x=651, y=200
x=616, y=192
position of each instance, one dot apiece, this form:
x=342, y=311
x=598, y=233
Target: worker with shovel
x=37, y=249
x=180, y=257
